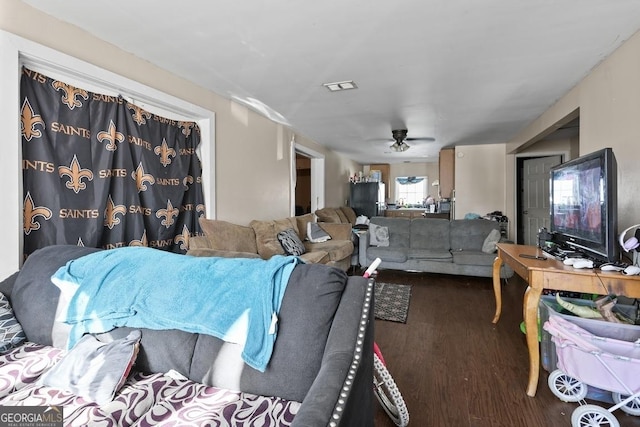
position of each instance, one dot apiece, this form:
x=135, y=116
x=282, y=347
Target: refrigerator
x=367, y=198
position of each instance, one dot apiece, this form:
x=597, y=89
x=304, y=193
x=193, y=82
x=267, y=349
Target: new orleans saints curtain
x=99, y=171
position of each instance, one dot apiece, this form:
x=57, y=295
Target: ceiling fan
x=400, y=137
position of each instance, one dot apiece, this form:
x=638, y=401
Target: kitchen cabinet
x=404, y=213
x=446, y=165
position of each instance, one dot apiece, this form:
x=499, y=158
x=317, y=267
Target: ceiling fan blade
x=400, y=137
x=426, y=138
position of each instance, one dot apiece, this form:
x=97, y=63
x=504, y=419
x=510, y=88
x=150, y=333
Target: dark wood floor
x=455, y=368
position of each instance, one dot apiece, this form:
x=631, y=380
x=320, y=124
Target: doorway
x=533, y=196
x=311, y=187
x=557, y=145
x=303, y=185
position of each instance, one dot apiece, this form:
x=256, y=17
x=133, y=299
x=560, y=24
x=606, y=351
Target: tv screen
x=584, y=204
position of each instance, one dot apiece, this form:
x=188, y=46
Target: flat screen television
x=584, y=205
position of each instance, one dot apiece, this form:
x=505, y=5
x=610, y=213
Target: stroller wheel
x=388, y=394
x=632, y=407
x=593, y=416
x=565, y=387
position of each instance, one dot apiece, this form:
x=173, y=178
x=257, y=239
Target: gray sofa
x=320, y=372
x=434, y=245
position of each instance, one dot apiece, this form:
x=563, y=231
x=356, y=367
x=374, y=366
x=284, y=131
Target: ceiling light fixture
x=400, y=145
x=399, y=148
x=337, y=86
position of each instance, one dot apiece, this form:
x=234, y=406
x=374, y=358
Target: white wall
x=608, y=100
x=479, y=181
x=338, y=169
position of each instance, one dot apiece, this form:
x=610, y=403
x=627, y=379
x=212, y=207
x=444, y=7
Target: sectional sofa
x=434, y=245
x=259, y=239
x=342, y=215
x=319, y=373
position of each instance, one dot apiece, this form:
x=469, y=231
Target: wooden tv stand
x=552, y=274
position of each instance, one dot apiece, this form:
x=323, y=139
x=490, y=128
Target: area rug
x=392, y=302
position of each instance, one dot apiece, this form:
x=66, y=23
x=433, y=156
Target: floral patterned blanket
x=144, y=400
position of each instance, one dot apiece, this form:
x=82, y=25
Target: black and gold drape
x=99, y=171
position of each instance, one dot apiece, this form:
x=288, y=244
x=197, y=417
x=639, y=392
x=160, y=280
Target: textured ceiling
x=461, y=72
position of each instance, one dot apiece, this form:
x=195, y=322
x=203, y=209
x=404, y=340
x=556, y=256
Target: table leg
x=497, y=263
x=530, y=312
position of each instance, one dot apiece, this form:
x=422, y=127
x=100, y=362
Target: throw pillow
x=301, y=222
x=227, y=236
x=349, y=213
x=267, y=235
x=489, y=245
x=60, y=330
x=11, y=333
x=290, y=242
x=327, y=215
x=342, y=216
x=316, y=234
x=93, y=369
x=378, y=235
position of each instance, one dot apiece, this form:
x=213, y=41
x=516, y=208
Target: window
x=411, y=190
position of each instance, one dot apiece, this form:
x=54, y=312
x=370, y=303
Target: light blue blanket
x=235, y=299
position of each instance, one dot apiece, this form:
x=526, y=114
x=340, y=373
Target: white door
x=534, y=203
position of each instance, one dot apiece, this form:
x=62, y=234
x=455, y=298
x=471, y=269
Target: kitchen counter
x=414, y=213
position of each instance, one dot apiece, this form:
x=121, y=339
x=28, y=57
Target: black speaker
x=543, y=237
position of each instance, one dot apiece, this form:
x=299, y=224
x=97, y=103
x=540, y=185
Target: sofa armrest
x=199, y=242
x=363, y=244
x=342, y=392
x=337, y=231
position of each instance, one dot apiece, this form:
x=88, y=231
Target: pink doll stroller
x=586, y=360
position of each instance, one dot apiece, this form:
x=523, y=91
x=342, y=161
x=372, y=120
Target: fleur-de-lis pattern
x=186, y=127
x=165, y=152
x=31, y=213
x=141, y=242
x=102, y=172
x=183, y=238
x=111, y=136
x=167, y=214
x=187, y=181
x=142, y=178
x=76, y=174
x=29, y=122
x=139, y=115
x=111, y=213
x=71, y=95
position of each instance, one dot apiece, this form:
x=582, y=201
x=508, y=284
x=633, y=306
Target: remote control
x=583, y=263
x=632, y=270
x=613, y=266
x=572, y=261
